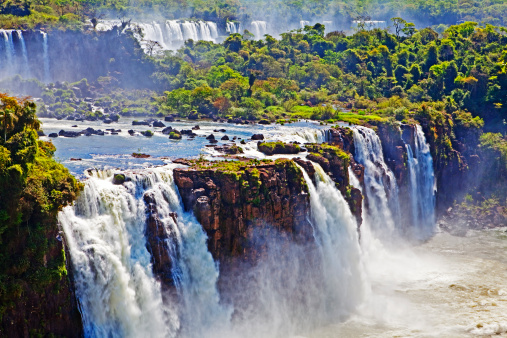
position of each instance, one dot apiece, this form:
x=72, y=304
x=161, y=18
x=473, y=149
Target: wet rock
x=196, y=127
x=225, y=138
x=175, y=135
x=140, y=123
x=169, y=118
x=68, y=133
x=272, y=148
x=257, y=137
x=40, y=133
x=118, y=179
x=108, y=121
x=158, y=124
x=210, y=137
x=167, y=130
x=140, y=155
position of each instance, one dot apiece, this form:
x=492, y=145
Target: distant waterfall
x=45, y=55
x=260, y=28
x=26, y=65
x=335, y=231
x=233, y=27
x=117, y=291
x=171, y=34
x=380, y=183
x=422, y=185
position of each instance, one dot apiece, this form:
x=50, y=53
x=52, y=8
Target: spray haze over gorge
x=247, y=168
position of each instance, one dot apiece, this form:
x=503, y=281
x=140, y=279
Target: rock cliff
x=233, y=201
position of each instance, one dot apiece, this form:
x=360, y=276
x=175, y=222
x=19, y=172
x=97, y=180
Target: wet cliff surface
x=234, y=201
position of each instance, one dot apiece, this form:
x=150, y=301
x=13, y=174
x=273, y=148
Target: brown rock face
x=343, y=138
x=157, y=238
x=234, y=204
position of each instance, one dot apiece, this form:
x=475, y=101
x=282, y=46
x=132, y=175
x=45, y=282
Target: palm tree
x=7, y=117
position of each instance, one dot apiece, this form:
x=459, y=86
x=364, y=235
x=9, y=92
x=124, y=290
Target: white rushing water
x=117, y=291
x=24, y=53
x=259, y=29
x=380, y=183
x=422, y=186
x=170, y=34
x=335, y=232
x=233, y=27
x=45, y=55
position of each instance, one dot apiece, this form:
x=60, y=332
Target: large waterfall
x=120, y=295
x=116, y=288
x=17, y=57
x=422, y=186
x=381, y=189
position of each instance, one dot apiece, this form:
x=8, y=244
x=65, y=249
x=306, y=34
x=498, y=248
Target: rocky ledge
x=237, y=199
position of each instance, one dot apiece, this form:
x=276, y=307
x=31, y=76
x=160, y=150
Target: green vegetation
x=72, y=13
x=374, y=74
x=279, y=147
x=33, y=189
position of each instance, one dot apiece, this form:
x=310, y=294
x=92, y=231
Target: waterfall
x=259, y=29
x=313, y=135
x=45, y=56
x=117, y=291
x=10, y=54
x=422, y=185
x=26, y=65
x=380, y=183
x=233, y=27
x=335, y=232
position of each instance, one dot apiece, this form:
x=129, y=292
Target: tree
x=7, y=116
x=398, y=24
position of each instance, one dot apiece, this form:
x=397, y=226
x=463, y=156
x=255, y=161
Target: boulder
x=53, y=135
x=118, y=179
x=169, y=119
x=175, y=135
x=167, y=130
x=225, y=138
x=257, y=137
x=158, y=124
x=140, y=123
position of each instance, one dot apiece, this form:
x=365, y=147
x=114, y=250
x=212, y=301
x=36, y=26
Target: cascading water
x=117, y=291
x=422, y=186
x=259, y=29
x=233, y=27
x=173, y=33
x=380, y=183
x=26, y=66
x=45, y=56
x=335, y=231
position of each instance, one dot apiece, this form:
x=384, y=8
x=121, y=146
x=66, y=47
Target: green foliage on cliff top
x=33, y=188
